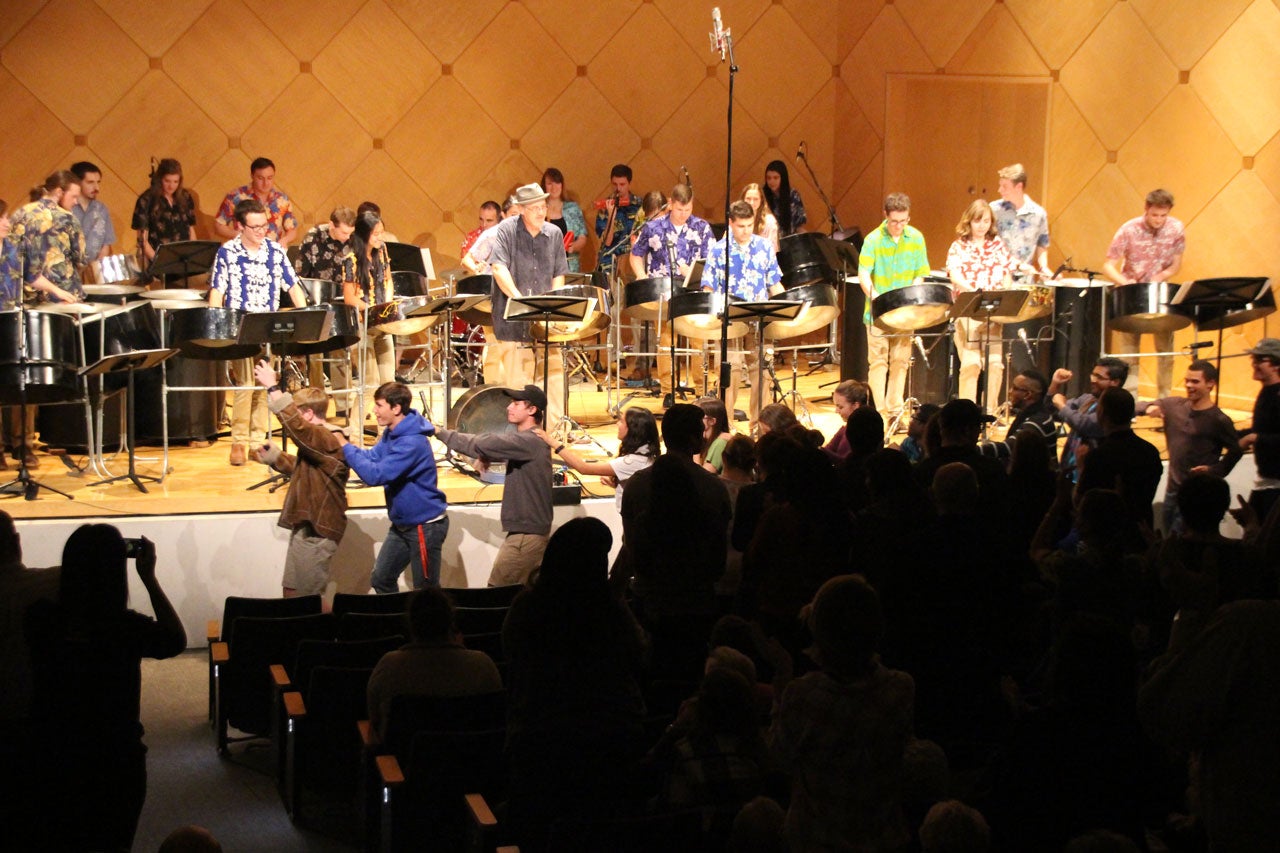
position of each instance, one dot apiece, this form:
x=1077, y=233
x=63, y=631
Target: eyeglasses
x=263, y=227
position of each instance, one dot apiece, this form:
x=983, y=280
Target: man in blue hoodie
x=403, y=463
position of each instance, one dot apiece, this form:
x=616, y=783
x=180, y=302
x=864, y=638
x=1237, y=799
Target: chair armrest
x=219, y=652
x=478, y=809
x=389, y=771
x=293, y=705
x=213, y=631
x=279, y=677
x=368, y=737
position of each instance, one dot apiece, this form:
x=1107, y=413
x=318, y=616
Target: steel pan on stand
x=593, y=322
x=1145, y=307
x=821, y=307
x=52, y=357
x=916, y=306
x=698, y=314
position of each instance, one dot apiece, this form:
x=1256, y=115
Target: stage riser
x=202, y=559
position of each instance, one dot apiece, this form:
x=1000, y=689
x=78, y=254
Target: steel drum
x=1039, y=303
x=121, y=329
x=480, y=314
x=321, y=291
x=178, y=294
x=917, y=306
x=343, y=331
x=210, y=333
x=394, y=317
x=52, y=357
x=821, y=307
x=594, y=321
x=1144, y=307
x=696, y=314
x=112, y=294
x=801, y=259
x=643, y=298
x=112, y=269
x=482, y=409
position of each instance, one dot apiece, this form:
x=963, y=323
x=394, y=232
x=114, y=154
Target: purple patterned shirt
x=690, y=241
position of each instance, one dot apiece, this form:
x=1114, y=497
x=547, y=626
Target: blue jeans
x=410, y=545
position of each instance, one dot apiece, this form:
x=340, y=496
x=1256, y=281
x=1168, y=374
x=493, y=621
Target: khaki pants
x=379, y=365
x=887, y=357
x=1130, y=342
x=968, y=340
x=522, y=365
x=518, y=556
x=250, y=418
x=743, y=359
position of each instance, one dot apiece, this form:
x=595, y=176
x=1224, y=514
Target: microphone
x=1200, y=345
x=923, y=353
x=1063, y=267
x=718, y=33
x=800, y=152
x=1022, y=336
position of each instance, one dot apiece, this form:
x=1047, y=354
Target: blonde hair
x=1014, y=173
x=762, y=211
x=971, y=213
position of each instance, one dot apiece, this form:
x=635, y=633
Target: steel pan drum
x=52, y=357
x=392, y=318
x=344, y=331
x=321, y=291
x=594, y=321
x=1039, y=303
x=1213, y=319
x=696, y=314
x=176, y=294
x=115, y=268
x=480, y=314
x=482, y=409
x=801, y=259
x=917, y=306
x=643, y=297
x=113, y=294
x=122, y=329
x=209, y=333
x=1144, y=307
x=821, y=306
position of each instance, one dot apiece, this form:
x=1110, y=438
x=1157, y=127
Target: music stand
x=985, y=305
x=1219, y=298
x=763, y=313
x=448, y=306
x=129, y=362
x=280, y=329
x=184, y=258
x=544, y=309
x=406, y=257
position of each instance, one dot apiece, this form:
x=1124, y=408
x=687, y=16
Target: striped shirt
x=892, y=264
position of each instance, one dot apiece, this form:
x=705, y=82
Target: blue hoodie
x=403, y=463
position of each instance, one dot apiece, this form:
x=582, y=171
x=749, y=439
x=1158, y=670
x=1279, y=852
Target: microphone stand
x=836, y=227
x=726, y=371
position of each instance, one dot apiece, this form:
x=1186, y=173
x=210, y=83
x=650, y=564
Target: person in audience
x=960, y=423
x=86, y=654
x=638, y=447
x=952, y=827
x=190, y=839
x=914, y=444
x=739, y=460
x=403, y=463
x=774, y=452
x=849, y=396
x=865, y=435
x=575, y=712
x=896, y=508
x=1263, y=434
x=434, y=663
x=715, y=434
x=315, y=507
x=758, y=828
x=841, y=731
x=675, y=515
x=1080, y=414
x=775, y=417
x=1122, y=460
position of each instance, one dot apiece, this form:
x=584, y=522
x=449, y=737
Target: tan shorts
x=306, y=565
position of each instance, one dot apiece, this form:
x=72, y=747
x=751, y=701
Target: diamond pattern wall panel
x=1118, y=76
x=306, y=26
x=16, y=15
x=1058, y=29
x=156, y=26
x=448, y=27
x=815, y=17
x=564, y=140
x=693, y=20
x=1267, y=165
x=887, y=45
x=45, y=141
x=795, y=71
x=853, y=137
x=78, y=96
x=942, y=25
x=1075, y=154
x=584, y=30
x=1236, y=78
x=1188, y=28
x=997, y=45
x=1083, y=230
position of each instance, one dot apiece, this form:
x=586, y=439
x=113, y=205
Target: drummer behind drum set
x=1148, y=248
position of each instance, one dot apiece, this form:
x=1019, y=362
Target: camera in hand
x=132, y=548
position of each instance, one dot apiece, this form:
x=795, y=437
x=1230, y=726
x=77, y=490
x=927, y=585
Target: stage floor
x=200, y=480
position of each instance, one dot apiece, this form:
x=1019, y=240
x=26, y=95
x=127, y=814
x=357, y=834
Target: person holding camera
x=86, y=654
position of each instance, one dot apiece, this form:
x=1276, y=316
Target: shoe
x=237, y=454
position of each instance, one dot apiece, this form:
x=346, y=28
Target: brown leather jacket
x=318, y=474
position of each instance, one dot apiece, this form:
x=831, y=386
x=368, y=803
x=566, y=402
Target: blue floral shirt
x=50, y=243
x=95, y=222
x=691, y=241
x=752, y=271
x=252, y=282
x=10, y=274
x=1023, y=229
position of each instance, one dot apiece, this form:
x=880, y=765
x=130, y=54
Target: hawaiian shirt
x=571, y=221
x=892, y=264
x=470, y=240
x=1147, y=253
x=752, y=270
x=319, y=255
x=376, y=287
x=252, y=282
x=690, y=242
x=982, y=265
x=50, y=243
x=796, y=209
x=164, y=222
x=280, y=217
x=1024, y=229
x=624, y=224
x=482, y=249
x=95, y=222
x=10, y=273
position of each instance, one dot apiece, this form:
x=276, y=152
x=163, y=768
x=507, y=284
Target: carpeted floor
x=187, y=782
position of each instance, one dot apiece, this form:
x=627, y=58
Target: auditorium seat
x=235, y=606
x=484, y=596
x=346, y=602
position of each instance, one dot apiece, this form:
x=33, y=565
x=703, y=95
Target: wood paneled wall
x=432, y=106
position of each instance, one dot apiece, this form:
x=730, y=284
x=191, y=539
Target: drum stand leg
x=565, y=428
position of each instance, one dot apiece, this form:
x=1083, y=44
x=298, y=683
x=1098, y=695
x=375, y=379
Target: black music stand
x=448, y=306
x=762, y=314
x=544, y=309
x=985, y=305
x=280, y=329
x=184, y=258
x=1219, y=297
x=406, y=257
x=129, y=362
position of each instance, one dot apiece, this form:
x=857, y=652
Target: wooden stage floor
x=201, y=480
